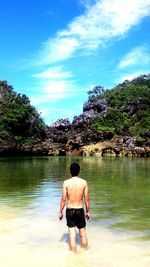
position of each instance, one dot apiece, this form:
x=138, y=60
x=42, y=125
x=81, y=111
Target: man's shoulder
x=83, y=180
x=77, y=179
x=67, y=181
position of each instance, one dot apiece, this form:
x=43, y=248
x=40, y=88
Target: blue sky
x=56, y=51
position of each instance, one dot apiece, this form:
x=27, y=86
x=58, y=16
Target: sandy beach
x=35, y=241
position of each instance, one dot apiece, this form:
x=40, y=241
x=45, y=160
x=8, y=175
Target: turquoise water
x=30, y=191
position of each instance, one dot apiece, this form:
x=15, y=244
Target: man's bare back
x=75, y=188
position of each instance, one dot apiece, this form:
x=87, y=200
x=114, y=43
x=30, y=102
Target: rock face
x=70, y=138
x=79, y=138
x=76, y=138
x=115, y=148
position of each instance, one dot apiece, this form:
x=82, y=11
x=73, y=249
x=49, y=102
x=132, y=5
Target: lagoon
x=119, y=229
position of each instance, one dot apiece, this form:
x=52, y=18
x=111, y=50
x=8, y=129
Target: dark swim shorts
x=75, y=217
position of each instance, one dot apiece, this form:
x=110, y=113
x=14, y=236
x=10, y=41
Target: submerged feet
x=84, y=241
x=83, y=238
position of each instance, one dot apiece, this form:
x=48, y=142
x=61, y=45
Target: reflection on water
x=118, y=233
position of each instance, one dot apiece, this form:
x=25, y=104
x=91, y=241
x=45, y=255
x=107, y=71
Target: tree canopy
x=19, y=120
x=128, y=108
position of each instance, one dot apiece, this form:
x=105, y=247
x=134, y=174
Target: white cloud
x=138, y=55
x=131, y=76
x=57, y=49
x=52, y=84
x=101, y=21
x=54, y=113
x=53, y=73
x=50, y=91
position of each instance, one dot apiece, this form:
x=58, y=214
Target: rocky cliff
x=114, y=122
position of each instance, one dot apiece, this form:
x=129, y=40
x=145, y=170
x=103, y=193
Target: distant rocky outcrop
x=114, y=123
x=117, y=147
x=107, y=124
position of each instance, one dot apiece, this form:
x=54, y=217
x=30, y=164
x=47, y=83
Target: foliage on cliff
x=127, y=111
x=123, y=110
x=19, y=120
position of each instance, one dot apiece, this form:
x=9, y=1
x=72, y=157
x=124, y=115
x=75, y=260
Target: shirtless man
x=75, y=191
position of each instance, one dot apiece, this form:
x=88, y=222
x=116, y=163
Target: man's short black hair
x=74, y=169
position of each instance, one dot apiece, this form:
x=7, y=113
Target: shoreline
x=29, y=244
x=108, y=148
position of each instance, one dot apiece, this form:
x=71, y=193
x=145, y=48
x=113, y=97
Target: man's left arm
x=63, y=201
x=87, y=201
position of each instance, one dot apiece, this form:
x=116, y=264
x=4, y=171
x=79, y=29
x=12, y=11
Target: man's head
x=74, y=169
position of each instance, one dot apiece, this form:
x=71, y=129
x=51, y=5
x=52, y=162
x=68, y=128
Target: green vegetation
x=128, y=108
x=123, y=110
x=19, y=120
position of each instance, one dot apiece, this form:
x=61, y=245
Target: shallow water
x=119, y=229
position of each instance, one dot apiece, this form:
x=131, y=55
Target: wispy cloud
x=137, y=56
x=50, y=113
x=57, y=49
x=53, y=73
x=51, y=90
x=131, y=76
x=52, y=84
x=100, y=22
x=134, y=63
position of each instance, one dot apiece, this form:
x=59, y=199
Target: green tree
x=19, y=120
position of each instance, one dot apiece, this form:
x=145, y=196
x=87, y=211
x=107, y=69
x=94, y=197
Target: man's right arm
x=63, y=201
x=87, y=201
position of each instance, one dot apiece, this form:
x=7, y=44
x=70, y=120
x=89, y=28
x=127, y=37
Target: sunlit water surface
x=118, y=232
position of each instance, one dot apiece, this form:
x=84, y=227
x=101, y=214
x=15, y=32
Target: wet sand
x=40, y=240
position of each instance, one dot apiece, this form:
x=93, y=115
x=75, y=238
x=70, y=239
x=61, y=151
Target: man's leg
x=84, y=241
x=72, y=236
